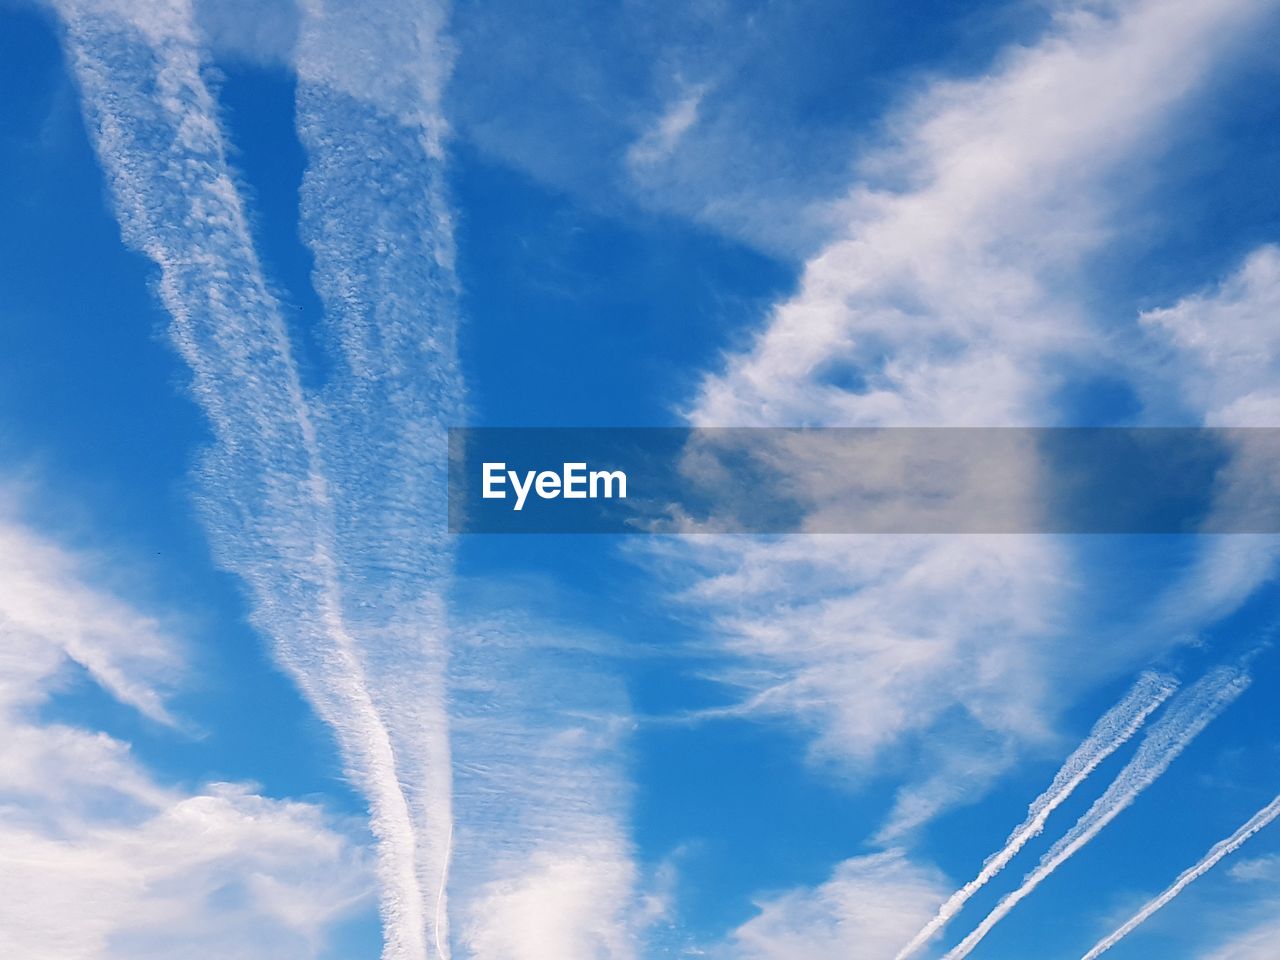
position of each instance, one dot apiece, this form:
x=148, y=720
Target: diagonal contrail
x=1217, y=853
x=1184, y=720
x=1112, y=731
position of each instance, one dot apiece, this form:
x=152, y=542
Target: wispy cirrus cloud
x=1257, y=942
x=376, y=218
x=1220, y=348
x=1215, y=359
x=949, y=299
x=45, y=595
x=661, y=139
x=947, y=294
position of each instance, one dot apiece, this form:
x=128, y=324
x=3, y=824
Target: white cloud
x=865, y=911
x=926, y=656
x=223, y=873
x=1217, y=361
x=1222, y=348
x=1258, y=942
x=260, y=31
x=657, y=143
x=1256, y=868
x=1244, y=927
x=543, y=868
x=556, y=905
x=43, y=595
x=100, y=859
x=947, y=297
x=291, y=530
x=949, y=301
x=375, y=216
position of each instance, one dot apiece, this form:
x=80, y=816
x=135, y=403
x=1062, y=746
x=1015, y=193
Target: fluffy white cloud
x=867, y=909
x=219, y=873
x=543, y=868
x=1222, y=348
x=556, y=904
x=100, y=858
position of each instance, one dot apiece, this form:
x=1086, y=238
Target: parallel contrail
x=1185, y=718
x=270, y=504
x=1112, y=731
x=538, y=789
x=1219, y=851
x=375, y=217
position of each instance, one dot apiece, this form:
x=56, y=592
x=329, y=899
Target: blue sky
x=257, y=257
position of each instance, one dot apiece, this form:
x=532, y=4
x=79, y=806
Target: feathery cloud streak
x=946, y=294
x=1216, y=359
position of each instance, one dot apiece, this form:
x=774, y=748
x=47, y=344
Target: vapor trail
x=375, y=216
x=269, y=504
x=1219, y=851
x=1185, y=718
x=1112, y=730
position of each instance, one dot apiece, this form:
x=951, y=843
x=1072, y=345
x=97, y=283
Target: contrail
x=1219, y=851
x=375, y=217
x=1112, y=731
x=270, y=506
x=536, y=798
x=1185, y=718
